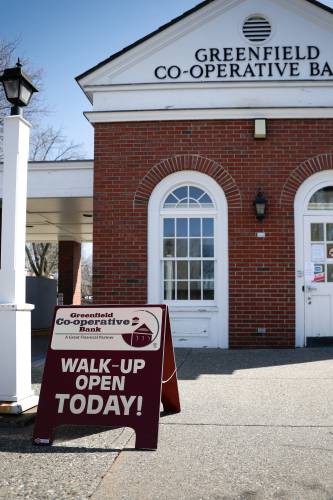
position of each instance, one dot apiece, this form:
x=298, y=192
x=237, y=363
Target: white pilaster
x=16, y=394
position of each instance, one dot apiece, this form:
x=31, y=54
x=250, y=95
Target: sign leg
x=146, y=440
x=43, y=432
x=170, y=394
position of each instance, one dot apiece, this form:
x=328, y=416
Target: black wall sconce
x=260, y=204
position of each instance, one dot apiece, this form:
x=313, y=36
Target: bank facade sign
x=246, y=63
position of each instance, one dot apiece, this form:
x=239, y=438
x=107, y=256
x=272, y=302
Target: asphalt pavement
x=255, y=424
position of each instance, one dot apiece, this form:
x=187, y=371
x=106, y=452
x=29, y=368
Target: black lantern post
x=260, y=204
x=18, y=88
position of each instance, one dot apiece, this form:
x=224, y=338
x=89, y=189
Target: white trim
x=206, y=114
x=221, y=241
x=62, y=165
x=258, y=84
x=303, y=195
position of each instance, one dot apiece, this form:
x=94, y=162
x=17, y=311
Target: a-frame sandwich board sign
x=104, y=367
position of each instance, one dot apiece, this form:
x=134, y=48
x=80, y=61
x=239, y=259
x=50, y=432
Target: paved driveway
x=255, y=424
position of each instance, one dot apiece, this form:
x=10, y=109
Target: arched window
x=188, y=250
x=188, y=197
x=322, y=199
x=188, y=257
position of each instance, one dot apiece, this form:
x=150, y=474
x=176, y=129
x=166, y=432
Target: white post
x=16, y=393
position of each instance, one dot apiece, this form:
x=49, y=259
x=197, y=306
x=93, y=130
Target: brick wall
x=131, y=158
x=69, y=265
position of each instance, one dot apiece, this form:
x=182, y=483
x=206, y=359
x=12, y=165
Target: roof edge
x=163, y=28
x=143, y=39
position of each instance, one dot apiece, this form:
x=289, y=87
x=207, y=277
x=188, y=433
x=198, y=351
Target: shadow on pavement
x=192, y=363
x=20, y=440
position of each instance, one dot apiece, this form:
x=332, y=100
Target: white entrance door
x=188, y=259
x=318, y=275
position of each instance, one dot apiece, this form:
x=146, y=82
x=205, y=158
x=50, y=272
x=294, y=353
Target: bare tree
x=48, y=144
x=41, y=258
x=51, y=144
x=8, y=49
x=45, y=144
x=86, y=278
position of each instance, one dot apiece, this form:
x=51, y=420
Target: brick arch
x=300, y=174
x=188, y=162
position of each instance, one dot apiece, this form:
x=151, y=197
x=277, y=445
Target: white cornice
x=67, y=165
x=134, y=87
x=207, y=114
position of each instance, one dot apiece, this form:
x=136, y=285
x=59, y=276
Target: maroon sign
x=104, y=367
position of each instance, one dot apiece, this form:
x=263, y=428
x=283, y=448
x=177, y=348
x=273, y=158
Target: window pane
x=169, y=290
x=317, y=232
x=208, y=269
x=195, y=247
x=208, y=247
x=330, y=273
x=195, y=225
x=322, y=199
x=169, y=227
x=195, y=269
x=195, y=192
x=206, y=200
x=181, y=192
x=208, y=290
x=329, y=232
x=207, y=227
x=182, y=290
x=169, y=270
x=182, y=269
x=181, y=227
x=183, y=203
x=330, y=251
x=169, y=248
x=171, y=200
x=181, y=247
x=195, y=290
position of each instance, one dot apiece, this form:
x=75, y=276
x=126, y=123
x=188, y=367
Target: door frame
x=221, y=241
x=302, y=198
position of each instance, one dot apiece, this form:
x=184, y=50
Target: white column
x=16, y=393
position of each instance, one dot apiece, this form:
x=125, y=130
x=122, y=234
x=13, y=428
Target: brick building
x=230, y=102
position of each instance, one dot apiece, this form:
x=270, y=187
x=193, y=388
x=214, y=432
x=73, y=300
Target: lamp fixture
x=260, y=204
x=18, y=88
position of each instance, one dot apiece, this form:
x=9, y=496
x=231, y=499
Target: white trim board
x=221, y=307
x=207, y=114
x=303, y=195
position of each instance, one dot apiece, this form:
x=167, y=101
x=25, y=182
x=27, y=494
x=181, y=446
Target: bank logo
x=107, y=328
x=143, y=335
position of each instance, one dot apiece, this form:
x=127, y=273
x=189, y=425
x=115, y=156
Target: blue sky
x=67, y=37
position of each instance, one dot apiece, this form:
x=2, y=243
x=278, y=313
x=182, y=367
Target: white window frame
x=155, y=232
x=303, y=195
x=179, y=213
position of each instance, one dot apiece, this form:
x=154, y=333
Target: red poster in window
x=104, y=367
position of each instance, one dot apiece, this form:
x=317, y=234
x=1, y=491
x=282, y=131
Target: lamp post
x=16, y=393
